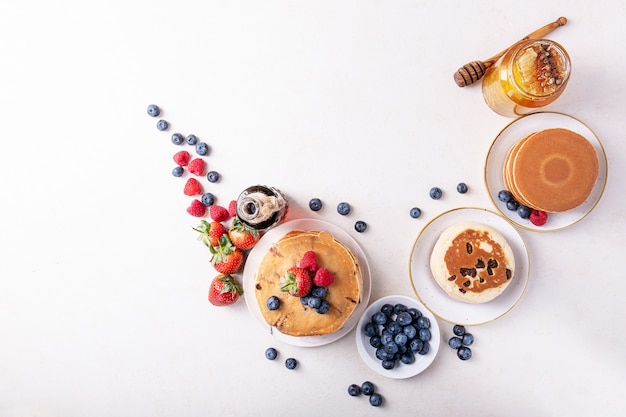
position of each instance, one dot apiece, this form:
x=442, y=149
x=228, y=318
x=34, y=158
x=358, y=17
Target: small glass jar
x=260, y=207
x=531, y=74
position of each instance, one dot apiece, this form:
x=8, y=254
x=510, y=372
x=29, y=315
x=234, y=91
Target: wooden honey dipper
x=470, y=73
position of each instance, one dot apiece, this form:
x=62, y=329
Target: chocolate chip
x=462, y=290
x=468, y=272
x=258, y=286
x=509, y=274
x=469, y=248
x=481, y=280
x=492, y=263
x=452, y=278
x=480, y=264
x=467, y=283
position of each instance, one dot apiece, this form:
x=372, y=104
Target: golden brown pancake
x=292, y=318
x=472, y=262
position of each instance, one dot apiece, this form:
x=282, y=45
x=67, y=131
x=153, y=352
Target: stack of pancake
x=552, y=170
x=292, y=317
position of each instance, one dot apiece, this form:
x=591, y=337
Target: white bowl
x=401, y=370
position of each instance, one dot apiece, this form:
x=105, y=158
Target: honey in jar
x=530, y=75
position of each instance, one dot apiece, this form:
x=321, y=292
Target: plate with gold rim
x=441, y=304
x=516, y=130
x=256, y=255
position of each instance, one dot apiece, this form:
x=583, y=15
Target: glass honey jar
x=531, y=74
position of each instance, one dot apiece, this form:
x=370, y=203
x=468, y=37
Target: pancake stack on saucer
x=552, y=170
x=292, y=317
x=472, y=262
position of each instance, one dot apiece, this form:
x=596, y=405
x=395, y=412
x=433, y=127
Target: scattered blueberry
x=208, y=199
x=315, y=204
x=512, y=205
x=202, y=148
x=464, y=353
x=468, y=339
x=354, y=390
x=458, y=329
x=455, y=342
x=504, y=196
x=367, y=388
x=360, y=226
x=435, y=193
x=178, y=171
x=154, y=110
x=343, y=208
x=213, y=176
x=177, y=139
x=191, y=140
x=162, y=125
x=376, y=399
x=524, y=211
x=415, y=212
x=271, y=353
x=461, y=188
x=461, y=342
x=273, y=303
x=291, y=363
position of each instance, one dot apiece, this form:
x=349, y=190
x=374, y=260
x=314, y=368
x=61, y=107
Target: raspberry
x=196, y=208
x=196, y=166
x=538, y=217
x=309, y=261
x=218, y=213
x=323, y=278
x=182, y=158
x=232, y=208
x=192, y=187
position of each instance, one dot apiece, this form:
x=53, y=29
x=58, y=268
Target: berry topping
x=291, y=363
x=191, y=140
x=208, y=199
x=512, y=205
x=523, y=211
x=218, y=213
x=435, y=193
x=271, y=353
x=196, y=166
x=360, y=226
x=182, y=158
x=178, y=171
x=415, y=212
x=273, y=303
x=462, y=188
x=202, y=149
x=224, y=290
x=178, y=139
x=192, y=187
x=154, y=110
x=162, y=125
x=343, y=208
x=538, y=217
x=323, y=278
x=315, y=204
x=296, y=281
x=196, y=208
x=323, y=308
x=309, y=261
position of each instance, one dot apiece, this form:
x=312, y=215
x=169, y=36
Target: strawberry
x=296, y=281
x=196, y=208
x=210, y=233
x=218, y=213
x=224, y=290
x=323, y=278
x=309, y=261
x=242, y=236
x=192, y=187
x=182, y=158
x=227, y=258
x=232, y=208
x=196, y=166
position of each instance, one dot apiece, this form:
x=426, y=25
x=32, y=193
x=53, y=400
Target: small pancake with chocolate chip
x=472, y=262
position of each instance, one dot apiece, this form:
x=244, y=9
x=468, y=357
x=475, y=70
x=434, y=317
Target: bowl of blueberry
x=398, y=337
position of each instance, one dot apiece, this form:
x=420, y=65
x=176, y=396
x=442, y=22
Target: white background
x=103, y=308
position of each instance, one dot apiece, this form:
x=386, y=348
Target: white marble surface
x=103, y=308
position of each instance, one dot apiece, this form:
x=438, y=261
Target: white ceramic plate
x=522, y=127
x=440, y=303
x=401, y=370
x=260, y=249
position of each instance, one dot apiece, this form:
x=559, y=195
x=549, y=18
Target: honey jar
x=531, y=74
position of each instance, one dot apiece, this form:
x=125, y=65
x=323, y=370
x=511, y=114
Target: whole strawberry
x=210, y=233
x=296, y=281
x=227, y=258
x=224, y=290
x=242, y=236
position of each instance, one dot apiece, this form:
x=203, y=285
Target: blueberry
x=399, y=308
x=178, y=172
x=425, y=349
x=404, y=318
x=435, y=193
x=415, y=212
x=423, y=323
x=304, y=300
x=512, y=205
x=324, y=307
x=388, y=364
x=291, y=363
x=461, y=188
x=375, y=342
x=343, y=208
x=414, y=312
x=504, y=196
x=213, y=176
x=271, y=353
x=370, y=330
x=468, y=339
x=464, y=353
x=191, y=140
x=273, y=303
x=208, y=199
x=401, y=339
x=391, y=348
x=177, y=139
x=424, y=335
x=458, y=330
x=154, y=110
x=317, y=291
x=394, y=327
x=410, y=331
x=416, y=345
x=367, y=388
x=386, y=337
x=407, y=358
x=455, y=342
x=162, y=125
x=314, y=302
x=354, y=390
x=387, y=309
x=379, y=318
x=523, y=211
x=202, y=148
x=376, y=399
x=360, y=226
x=315, y=204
